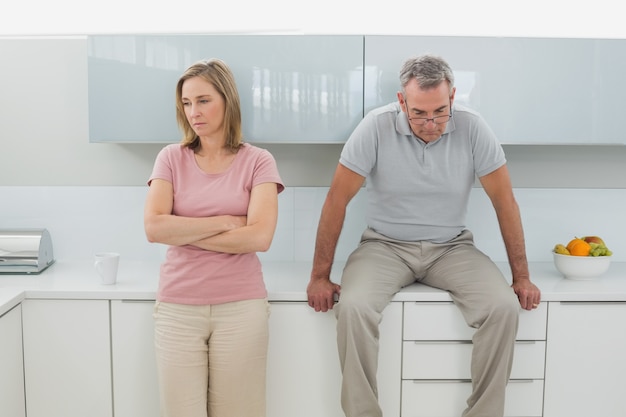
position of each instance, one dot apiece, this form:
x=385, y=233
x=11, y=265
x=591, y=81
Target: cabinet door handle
x=592, y=302
x=440, y=381
x=456, y=381
x=463, y=342
x=432, y=303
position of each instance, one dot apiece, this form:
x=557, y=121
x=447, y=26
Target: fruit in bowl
x=582, y=258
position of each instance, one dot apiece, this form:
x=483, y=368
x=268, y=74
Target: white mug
x=106, y=264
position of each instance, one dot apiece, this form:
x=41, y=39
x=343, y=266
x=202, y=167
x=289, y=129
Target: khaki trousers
x=379, y=268
x=211, y=359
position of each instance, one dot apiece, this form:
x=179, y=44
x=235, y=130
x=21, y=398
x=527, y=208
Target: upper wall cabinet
x=300, y=89
x=316, y=88
x=530, y=90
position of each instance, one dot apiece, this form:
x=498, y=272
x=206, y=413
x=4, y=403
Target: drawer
x=451, y=360
x=444, y=321
x=448, y=398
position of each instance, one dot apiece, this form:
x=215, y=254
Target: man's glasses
x=421, y=121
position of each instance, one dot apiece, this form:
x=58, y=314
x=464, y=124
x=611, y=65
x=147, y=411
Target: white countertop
x=285, y=281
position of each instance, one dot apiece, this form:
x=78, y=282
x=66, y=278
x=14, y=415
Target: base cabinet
x=304, y=377
x=585, y=359
x=76, y=358
x=11, y=364
x=67, y=358
x=135, y=385
x=446, y=398
x=436, y=358
x=303, y=374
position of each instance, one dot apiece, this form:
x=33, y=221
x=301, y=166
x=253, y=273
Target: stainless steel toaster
x=25, y=251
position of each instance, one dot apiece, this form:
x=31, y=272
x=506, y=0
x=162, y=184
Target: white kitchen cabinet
x=482, y=65
x=585, y=365
x=11, y=364
x=304, y=377
x=451, y=360
x=67, y=358
x=135, y=385
x=316, y=88
x=302, y=352
x=292, y=88
x=444, y=321
x=436, y=362
x=447, y=398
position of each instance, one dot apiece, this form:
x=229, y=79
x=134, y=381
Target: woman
x=213, y=200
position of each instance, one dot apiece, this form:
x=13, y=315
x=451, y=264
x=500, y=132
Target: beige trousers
x=211, y=359
x=379, y=268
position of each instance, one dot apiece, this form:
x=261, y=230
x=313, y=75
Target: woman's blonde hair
x=216, y=72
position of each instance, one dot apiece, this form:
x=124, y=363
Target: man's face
x=428, y=110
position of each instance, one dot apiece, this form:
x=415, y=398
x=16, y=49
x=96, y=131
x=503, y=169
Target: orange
x=578, y=247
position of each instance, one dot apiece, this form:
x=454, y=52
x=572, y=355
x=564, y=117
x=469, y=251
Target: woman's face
x=204, y=107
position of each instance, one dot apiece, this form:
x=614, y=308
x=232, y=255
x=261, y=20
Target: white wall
x=559, y=18
x=91, y=195
x=85, y=220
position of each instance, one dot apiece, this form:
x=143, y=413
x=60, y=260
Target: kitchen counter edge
x=285, y=282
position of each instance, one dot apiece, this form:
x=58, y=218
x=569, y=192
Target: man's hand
x=321, y=294
x=528, y=294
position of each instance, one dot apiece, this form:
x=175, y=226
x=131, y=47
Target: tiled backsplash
x=84, y=220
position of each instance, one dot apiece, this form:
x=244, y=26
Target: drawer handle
x=464, y=342
x=592, y=302
x=432, y=303
x=441, y=381
x=456, y=381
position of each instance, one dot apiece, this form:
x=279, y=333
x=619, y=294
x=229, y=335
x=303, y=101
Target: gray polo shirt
x=417, y=190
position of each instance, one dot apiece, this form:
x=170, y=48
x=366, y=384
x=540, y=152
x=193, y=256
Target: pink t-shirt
x=190, y=275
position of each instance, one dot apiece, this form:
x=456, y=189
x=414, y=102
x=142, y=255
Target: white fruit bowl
x=581, y=267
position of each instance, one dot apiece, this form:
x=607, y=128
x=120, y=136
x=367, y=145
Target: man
x=420, y=157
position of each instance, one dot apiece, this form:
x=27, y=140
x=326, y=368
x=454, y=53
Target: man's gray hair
x=428, y=70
